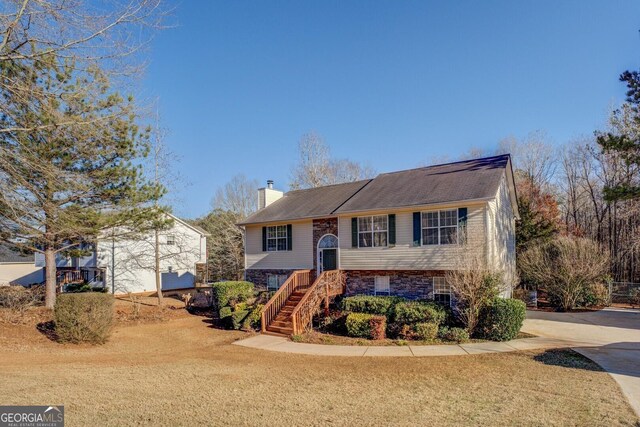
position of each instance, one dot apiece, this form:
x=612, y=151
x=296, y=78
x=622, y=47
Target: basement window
x=274, y=281
x=381, y=285
x=441, y=291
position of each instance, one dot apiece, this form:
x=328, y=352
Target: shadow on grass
x=48, y=329
x=567, y=359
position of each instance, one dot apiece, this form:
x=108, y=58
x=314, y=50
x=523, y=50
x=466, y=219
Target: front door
x=329, y=259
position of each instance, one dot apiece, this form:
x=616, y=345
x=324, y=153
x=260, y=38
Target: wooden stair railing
x=298, y=281
x=329, y=284
x=65, y=277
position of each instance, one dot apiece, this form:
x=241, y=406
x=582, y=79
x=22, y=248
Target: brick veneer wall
x=259, y=277
x=413, y=284
x=320, y=228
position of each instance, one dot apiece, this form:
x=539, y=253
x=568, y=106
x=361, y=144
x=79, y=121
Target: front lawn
x=184, y=372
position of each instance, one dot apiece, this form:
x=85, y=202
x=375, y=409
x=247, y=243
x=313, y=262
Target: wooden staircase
x=282, y=324
x=291, y=309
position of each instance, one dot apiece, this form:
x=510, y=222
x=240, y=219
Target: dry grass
x=182, y=372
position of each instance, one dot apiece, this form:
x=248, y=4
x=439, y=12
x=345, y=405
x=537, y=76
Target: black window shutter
x=264, y=239
x=392, y=229
x=289, y=237
x=462, y=224
x=354, y=232
x=417, y=228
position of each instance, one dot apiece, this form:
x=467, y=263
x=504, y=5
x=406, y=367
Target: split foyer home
x=395, y=234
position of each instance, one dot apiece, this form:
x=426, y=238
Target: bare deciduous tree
x=565, y=267
x=316, y=167
x=473, y=283
x=239, y=196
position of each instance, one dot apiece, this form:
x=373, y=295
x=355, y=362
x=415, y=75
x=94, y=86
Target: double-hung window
x=441, y=291
x=440, y=227
x=381, y=285
x=277, y=238
x=274, y=281
x=373, y=231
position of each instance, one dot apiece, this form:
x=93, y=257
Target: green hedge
x=453, y=334
x=426, y=331
x=412, y=312
x=238, y=317
x=502, y=319
x=380, y=305
x=83, y=317
x=230, y=293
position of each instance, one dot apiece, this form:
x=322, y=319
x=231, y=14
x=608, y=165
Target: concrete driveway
x=609, y=337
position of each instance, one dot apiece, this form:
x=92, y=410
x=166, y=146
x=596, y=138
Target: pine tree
x=71, y=165
x=627, y=145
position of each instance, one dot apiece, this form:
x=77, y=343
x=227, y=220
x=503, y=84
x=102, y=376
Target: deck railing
x=329, y=284
x=298, y=281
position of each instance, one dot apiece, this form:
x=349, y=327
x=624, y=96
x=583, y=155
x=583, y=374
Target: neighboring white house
x=395, y=234
x=132, y=269
x=18, y=269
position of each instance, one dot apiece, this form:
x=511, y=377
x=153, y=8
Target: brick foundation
x=259, y=277
x=412, y=284
x=320, y=228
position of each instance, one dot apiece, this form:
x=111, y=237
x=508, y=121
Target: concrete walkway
x=284, y=345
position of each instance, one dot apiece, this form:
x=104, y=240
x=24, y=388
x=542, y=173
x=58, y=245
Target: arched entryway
x=327, y=253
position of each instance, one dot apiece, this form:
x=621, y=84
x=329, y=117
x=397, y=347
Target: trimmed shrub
x=231, y=293
x=412, y=312
x=426, y=331
x=453, y=334
x=501, y=319
x=224, y=313
x=238, y=317
x=252, y=321
x=380, y=305
x=378, y=325
x=358, y=325
x=84, y=317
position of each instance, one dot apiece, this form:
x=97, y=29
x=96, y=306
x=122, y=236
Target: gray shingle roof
x=8, y=255
x=452, y=182
x=310, y=203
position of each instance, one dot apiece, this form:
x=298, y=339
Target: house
x=17, y=268
x=395, y=234
x=125, y=262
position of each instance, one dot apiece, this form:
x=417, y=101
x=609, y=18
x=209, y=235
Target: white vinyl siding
x=300, y=257
x=501, y=235
x=404, y=255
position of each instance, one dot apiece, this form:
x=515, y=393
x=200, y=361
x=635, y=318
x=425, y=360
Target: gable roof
x=194, y=227
x=311, y=203
x=7, y=255
x=476, y=179
x=452, y=182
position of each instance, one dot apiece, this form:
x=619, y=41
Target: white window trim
x=286, y=238
x=422, y=240
x=372, y=232
x=449, y=293
x=375, y=285
x=171, y=239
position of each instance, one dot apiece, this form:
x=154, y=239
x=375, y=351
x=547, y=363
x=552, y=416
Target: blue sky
x=387, y=83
